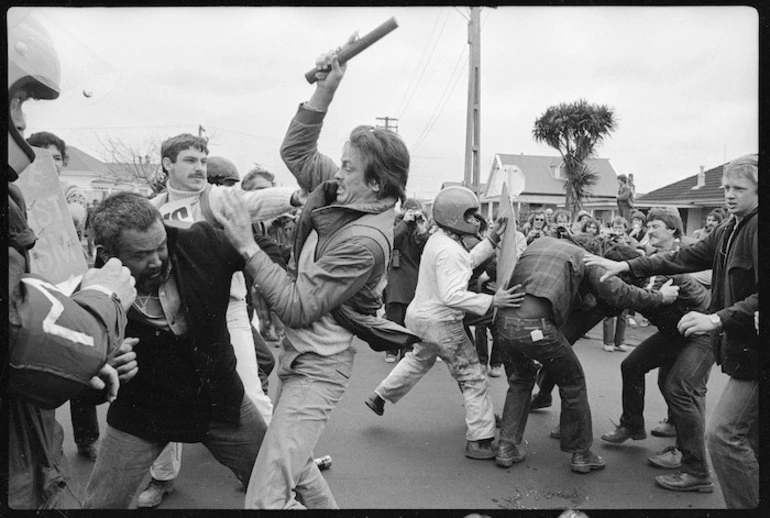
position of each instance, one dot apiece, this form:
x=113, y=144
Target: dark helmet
x=451, y=207
x=33, y=68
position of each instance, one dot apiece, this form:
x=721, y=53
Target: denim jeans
x=285, y=475
x=614, y=330
x=687, y=363
x=85, y=425
x=579, y=323
x=482, y=345
x=449, y=341
x=554, y=352
x=733, y=440
x=124, y=459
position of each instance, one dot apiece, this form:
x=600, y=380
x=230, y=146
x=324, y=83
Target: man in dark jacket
x=684, y=363
x=187, y=388
x=55, y=343
x=731, y=250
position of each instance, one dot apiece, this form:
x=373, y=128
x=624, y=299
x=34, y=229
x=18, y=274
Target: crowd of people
x=162, y=325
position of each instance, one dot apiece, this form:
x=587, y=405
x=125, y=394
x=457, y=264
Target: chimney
x=701, y=179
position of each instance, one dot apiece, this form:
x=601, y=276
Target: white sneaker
x=496, y=371
x=390, y=358
x=622, y=348
x=609, y=348
x=631, y=322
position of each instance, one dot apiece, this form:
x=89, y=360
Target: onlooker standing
x=713, y=220
x=536, y=226
x=732, y=251
x=409, y=237
x=614, y=328
x=625, y=197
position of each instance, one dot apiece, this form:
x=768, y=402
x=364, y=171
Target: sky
x=682, y=81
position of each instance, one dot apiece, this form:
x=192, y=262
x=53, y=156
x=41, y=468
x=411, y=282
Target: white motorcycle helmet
x=33, y=72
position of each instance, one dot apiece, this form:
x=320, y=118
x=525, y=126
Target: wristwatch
x=716, y=321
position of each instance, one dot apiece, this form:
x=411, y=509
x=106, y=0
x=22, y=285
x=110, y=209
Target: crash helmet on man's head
x=451, y=208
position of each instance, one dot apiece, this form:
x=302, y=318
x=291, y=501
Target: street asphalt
x=413, y=456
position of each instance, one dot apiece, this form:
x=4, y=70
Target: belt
x=525, y=323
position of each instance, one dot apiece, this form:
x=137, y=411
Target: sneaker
x=539, y=401
x=685, y=482
x=153, y=495
x=439, y=360
x=643, y=322
x=556, y=432
x=631, y=322
x=390, y=357
x=496, y=371
x=621, y=348
x=376, y=403
x=586, y=462
x=609, y=348
x=622, y=433
x=669, y=458
x=508, y=453
x=484, y=449
x=664, y=429
x=89, y=451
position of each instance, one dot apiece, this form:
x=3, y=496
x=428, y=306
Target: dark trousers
x=482, y=345
x=579, y=323
x=85, y=425
x=687, y=362
x=519, y=354
x=396, y=312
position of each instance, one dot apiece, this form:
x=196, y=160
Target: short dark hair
x=623, y=178
x=588, y=242
x=637, y=214
x=670, y=217
x=44, y=139
x=587, y=222
x=118, y=212
x=560, y=212
x=624, y=252
x=172, y=146
x=386, y=157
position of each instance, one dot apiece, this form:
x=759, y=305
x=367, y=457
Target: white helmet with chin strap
x=33, y=72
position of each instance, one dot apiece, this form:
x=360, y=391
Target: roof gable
x=538, y=175
x=80, y=161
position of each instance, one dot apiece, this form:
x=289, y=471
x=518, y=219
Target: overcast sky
x=683, y=81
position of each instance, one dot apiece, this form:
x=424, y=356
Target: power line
x=425, y=67
x=444, y=98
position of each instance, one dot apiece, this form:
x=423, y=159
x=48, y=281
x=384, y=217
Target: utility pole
x=389, y=123
x=472, y=128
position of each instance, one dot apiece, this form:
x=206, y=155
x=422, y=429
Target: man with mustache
x=187, y=388
x=191, y=198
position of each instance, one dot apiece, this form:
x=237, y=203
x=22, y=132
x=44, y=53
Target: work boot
x=508, y=453
x=153, y=495
x=622, y=433
x=586, y=462
x=669, y=458
x=539, y=401
x=376, y=403
x=483, y=449
x=664, y=429
x=685, y=482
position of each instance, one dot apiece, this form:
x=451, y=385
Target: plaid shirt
x=553, y=269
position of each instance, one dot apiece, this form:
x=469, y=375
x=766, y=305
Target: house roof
x=80, y=161
x=683, y=191
x=540, y=180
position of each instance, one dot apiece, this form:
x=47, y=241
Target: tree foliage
x=575, y=130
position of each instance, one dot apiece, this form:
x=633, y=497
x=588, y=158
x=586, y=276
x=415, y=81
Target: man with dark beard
x=187, y=388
